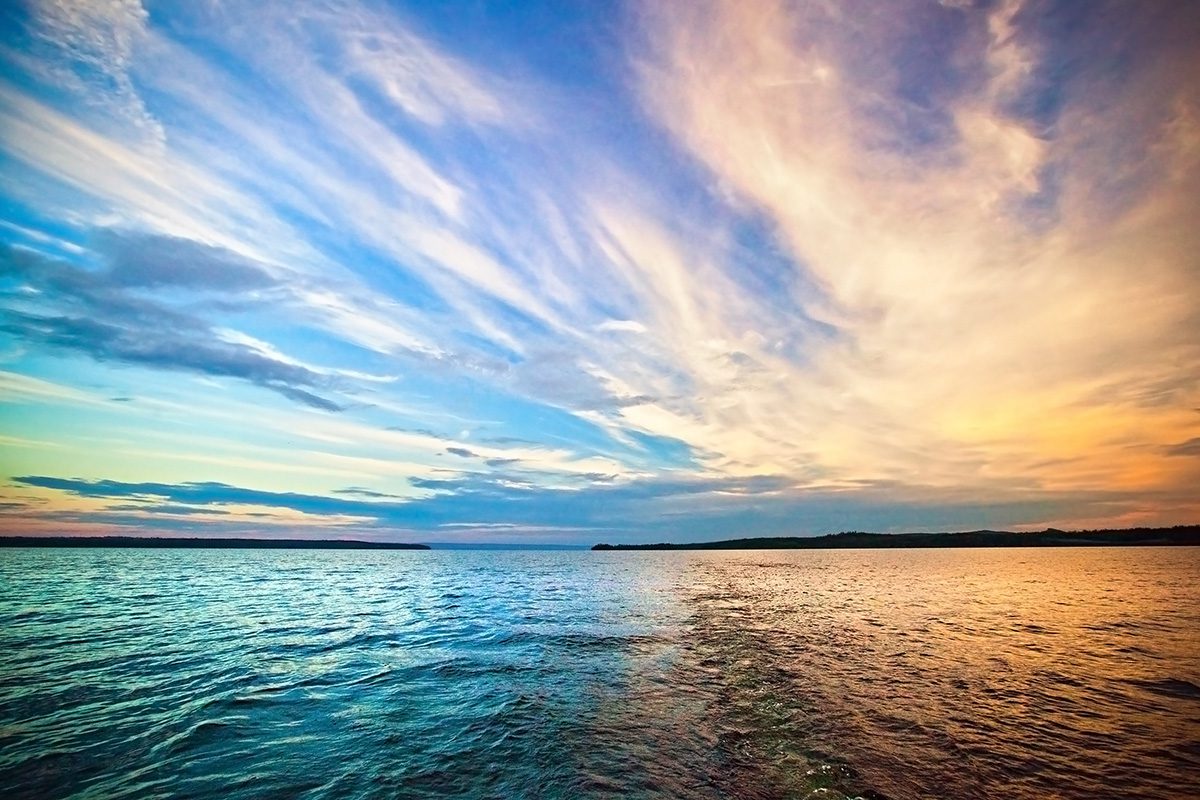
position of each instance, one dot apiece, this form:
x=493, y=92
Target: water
x=1052, y=673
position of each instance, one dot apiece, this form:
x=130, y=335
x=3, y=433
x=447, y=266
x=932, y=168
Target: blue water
x=346, y=674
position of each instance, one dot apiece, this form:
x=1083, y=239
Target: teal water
x=326, y=674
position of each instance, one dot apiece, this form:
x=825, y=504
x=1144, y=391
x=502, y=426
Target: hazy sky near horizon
x=582, y=271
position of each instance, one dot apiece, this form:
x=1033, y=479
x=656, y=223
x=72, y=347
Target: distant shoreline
x=1179, y=535
x=164, y=542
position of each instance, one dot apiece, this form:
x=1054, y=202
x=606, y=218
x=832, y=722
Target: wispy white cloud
x=17, y=387
x=968, y=341
x=88, y=48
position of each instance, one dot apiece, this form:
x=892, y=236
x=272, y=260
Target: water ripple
x=322, y=674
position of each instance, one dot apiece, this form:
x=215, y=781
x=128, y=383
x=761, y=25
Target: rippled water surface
x=1050, y=673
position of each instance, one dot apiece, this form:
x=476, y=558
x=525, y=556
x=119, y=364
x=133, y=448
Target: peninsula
x=201, y=543
x=1180, y=535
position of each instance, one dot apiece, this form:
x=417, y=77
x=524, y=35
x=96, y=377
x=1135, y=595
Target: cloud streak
x=98, y=314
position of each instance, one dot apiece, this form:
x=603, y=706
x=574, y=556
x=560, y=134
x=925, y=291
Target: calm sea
x=1049, y=673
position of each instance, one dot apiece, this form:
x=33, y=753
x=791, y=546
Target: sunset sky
x=591, y=271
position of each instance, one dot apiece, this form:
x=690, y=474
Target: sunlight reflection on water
x=949, y=673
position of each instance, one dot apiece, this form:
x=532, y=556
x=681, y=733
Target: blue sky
x=570, y=272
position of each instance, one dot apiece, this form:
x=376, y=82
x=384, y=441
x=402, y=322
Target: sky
x=596, y=271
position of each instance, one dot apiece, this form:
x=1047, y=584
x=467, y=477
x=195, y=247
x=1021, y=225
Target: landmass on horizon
x=1179, y=535
x=367, y=269
x=231, y=543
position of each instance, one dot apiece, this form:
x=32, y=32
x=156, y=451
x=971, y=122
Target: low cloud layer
x=481, y=505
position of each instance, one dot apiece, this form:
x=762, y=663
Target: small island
x=1180, y=535
x=204, y=543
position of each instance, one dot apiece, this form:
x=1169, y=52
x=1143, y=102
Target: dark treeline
x=165, y=542
x=1051, y=537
